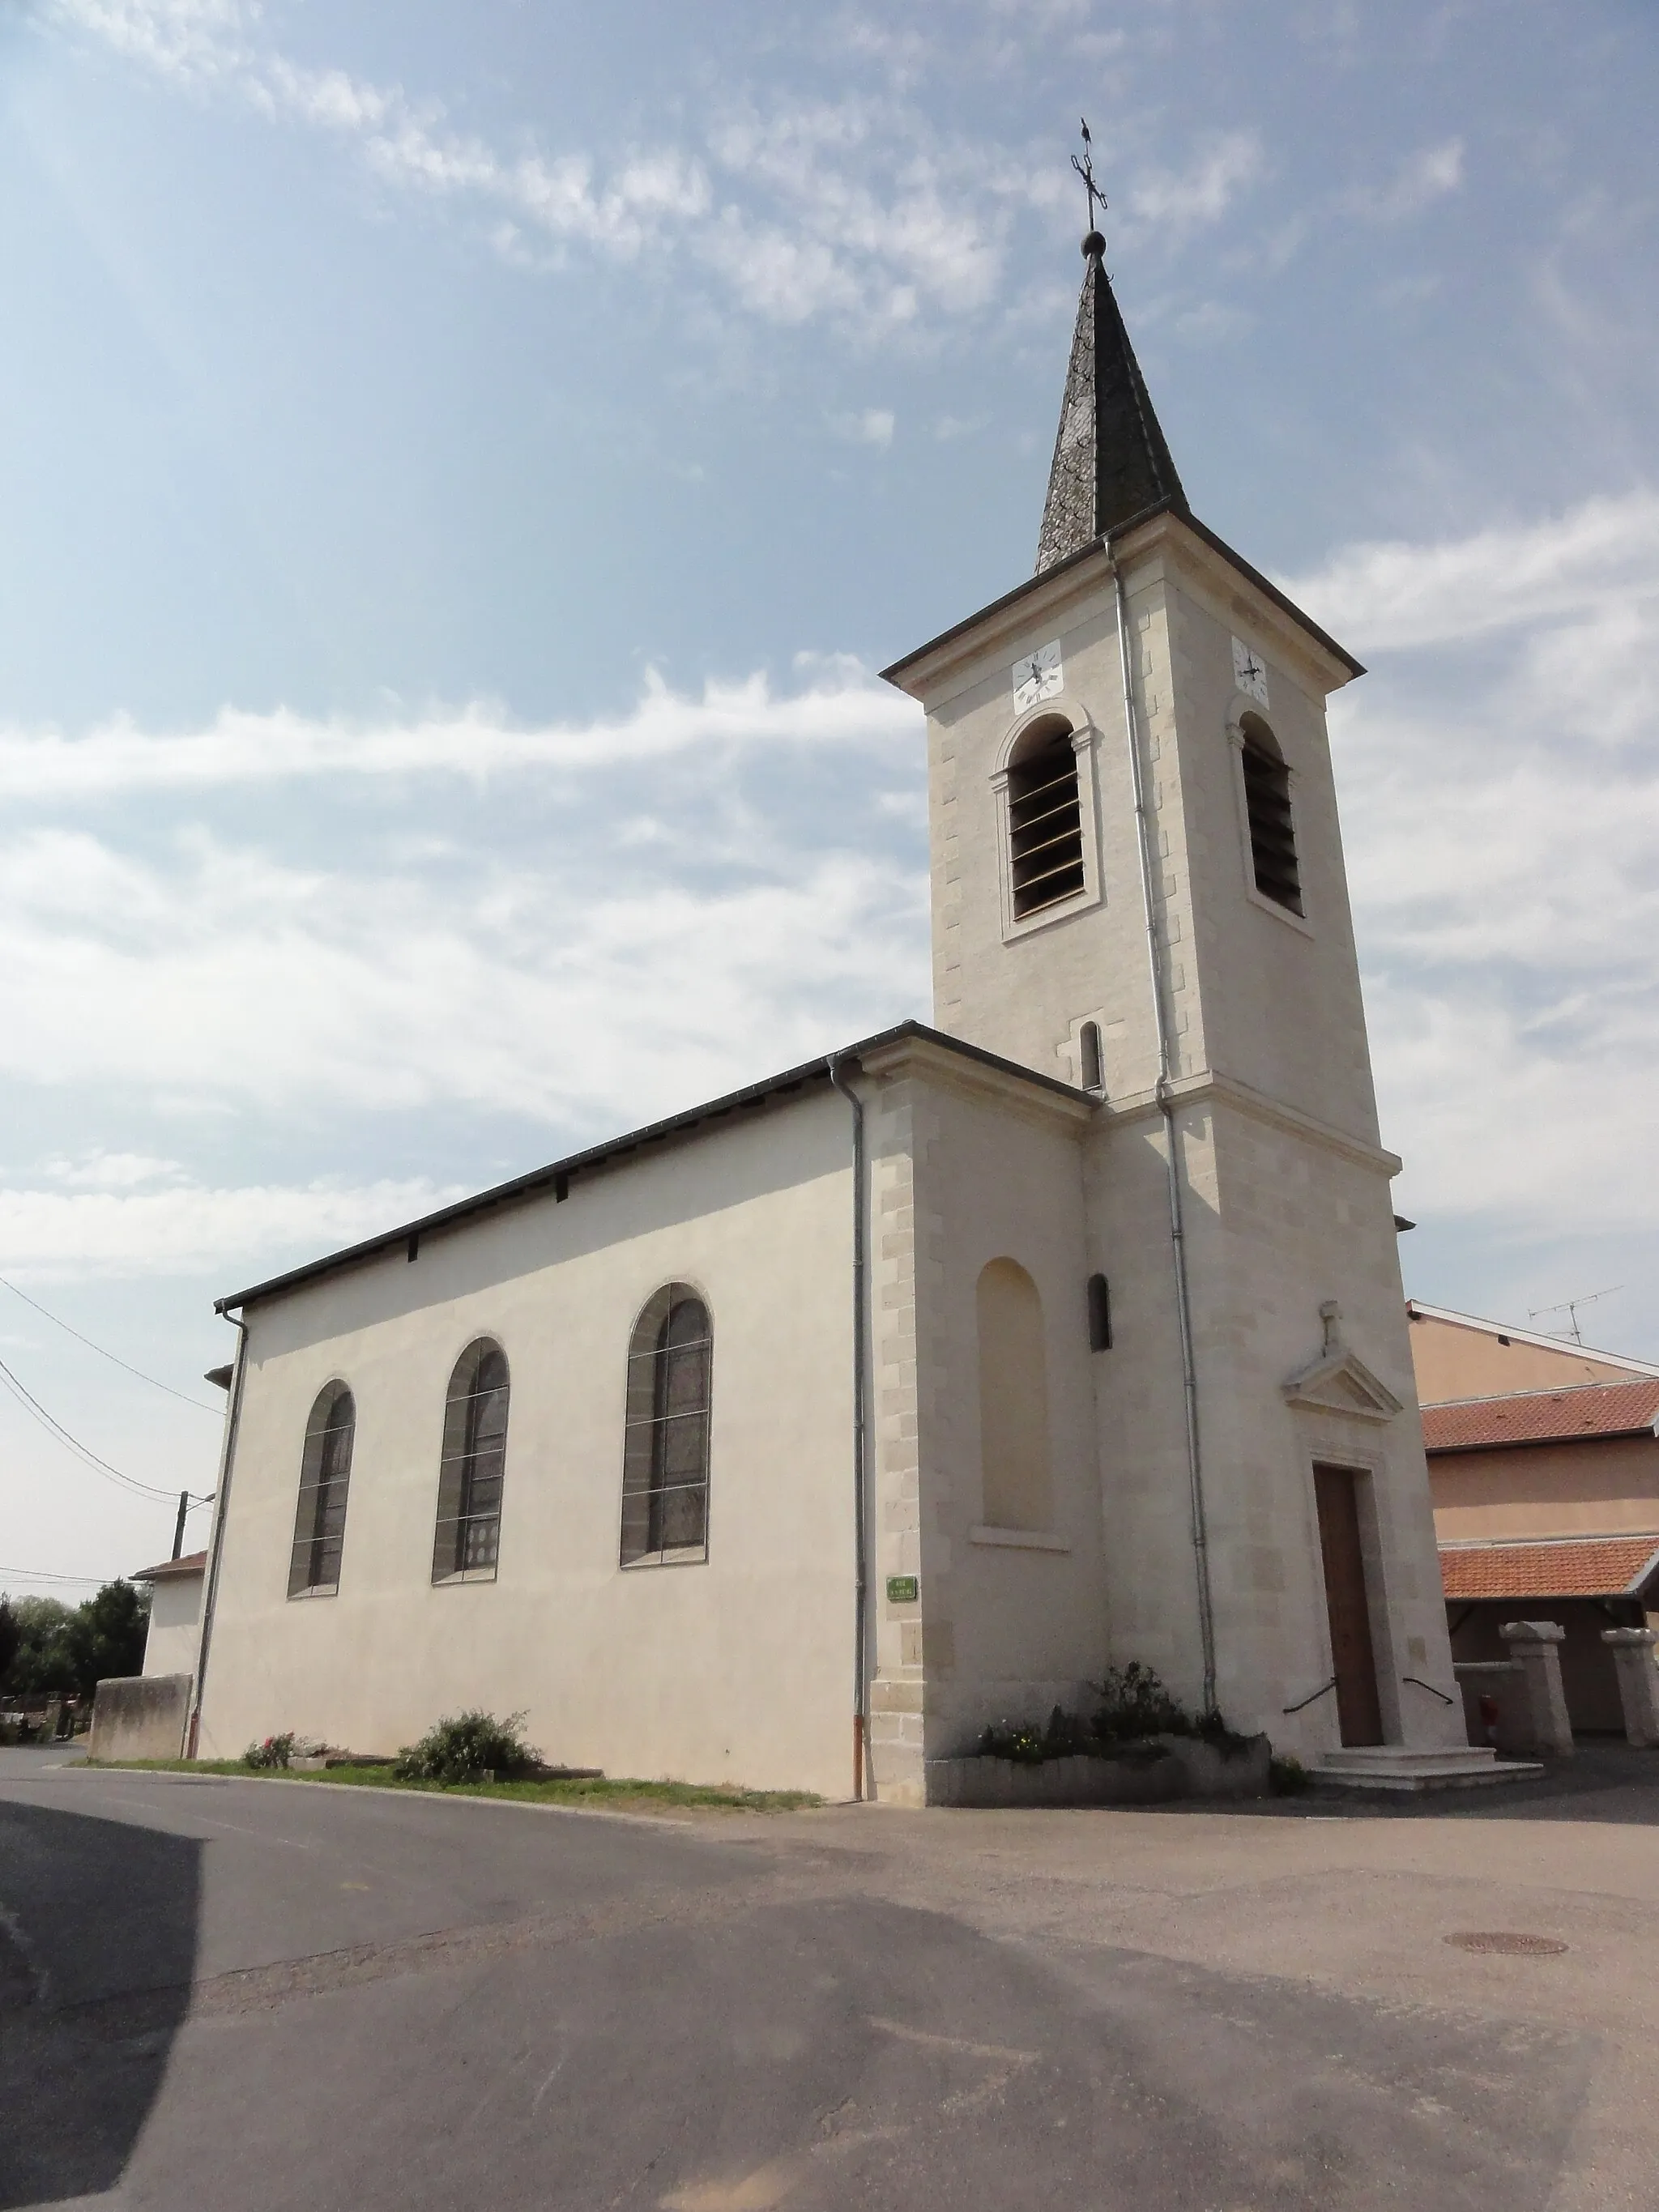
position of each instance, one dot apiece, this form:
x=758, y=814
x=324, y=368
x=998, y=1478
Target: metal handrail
x=1317, y=1695
x=1420, y=1684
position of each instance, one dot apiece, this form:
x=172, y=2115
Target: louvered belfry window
x=666, y=1450
x=1045, y=823
x=467, y=1539
x=324, y=1479
x=1268, y=802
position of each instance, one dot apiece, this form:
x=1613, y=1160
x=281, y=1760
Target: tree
x=108, y=1636
x=43, y=1661
x=60, y=1650
x=11, y=1637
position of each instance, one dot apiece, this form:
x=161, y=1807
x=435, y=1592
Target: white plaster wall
x=1266, y=1021
x=1280, y=992
x=1027, y=998
x=739, y=1670
x=974, y=1171
x=1296, y=1222
x=175, y=1625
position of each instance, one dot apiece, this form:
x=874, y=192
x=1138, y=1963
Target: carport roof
x=194, y=1563
x=1584, y=1566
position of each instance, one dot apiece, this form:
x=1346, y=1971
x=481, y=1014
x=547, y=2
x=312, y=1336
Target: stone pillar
x=1638, y=1682
x=1532, y=1646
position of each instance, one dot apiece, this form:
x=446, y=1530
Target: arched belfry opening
x=1268, y=805
x=1045, y=817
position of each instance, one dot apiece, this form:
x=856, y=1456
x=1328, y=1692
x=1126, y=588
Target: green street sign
x=903, y=1589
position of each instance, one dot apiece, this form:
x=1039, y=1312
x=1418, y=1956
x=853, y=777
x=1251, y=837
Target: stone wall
x=140, y=1717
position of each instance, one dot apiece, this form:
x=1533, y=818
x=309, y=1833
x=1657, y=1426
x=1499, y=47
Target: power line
x=200, y=1404
x=37, y=1411
x=40, y=1575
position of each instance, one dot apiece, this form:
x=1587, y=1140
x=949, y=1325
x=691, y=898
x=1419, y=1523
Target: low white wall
x=139, y=1716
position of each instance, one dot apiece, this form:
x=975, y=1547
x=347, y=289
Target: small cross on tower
x=1084, y=164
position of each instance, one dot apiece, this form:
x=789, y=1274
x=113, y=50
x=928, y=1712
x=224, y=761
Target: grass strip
x=578, y=1790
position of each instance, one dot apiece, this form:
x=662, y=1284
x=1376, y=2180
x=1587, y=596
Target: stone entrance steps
x=1392, y=1766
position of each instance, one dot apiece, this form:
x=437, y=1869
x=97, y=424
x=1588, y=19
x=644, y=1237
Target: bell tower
x=1138, y=886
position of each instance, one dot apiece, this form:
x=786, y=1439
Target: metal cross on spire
x=1084, y=164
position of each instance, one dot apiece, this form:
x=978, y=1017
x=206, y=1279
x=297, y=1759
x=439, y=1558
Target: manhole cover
x=1510, y=1942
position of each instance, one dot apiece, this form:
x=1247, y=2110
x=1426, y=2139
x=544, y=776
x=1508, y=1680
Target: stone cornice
x=939, y=1062
x=1227, y=1089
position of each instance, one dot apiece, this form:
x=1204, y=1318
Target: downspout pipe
x=1166, y=1104
x=227, y=1462
x=860, y=1427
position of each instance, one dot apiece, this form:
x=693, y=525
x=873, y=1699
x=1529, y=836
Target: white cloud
x=856, y=214
x=525, y=989
x=1501, y=811
x=873, y=425
x=1176, y=202
x=840, y=706
x=1397, y=596
x=102, y=1170
x=46, y=1234
x=1422, y=178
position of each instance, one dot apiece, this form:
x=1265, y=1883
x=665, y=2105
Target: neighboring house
x=1545, y=1496
x=794, y=1438
x=175, y=1613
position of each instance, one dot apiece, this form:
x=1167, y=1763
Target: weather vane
x=1086, y=168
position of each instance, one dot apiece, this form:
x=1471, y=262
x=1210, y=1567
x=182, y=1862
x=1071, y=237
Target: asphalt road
x=218, y=1993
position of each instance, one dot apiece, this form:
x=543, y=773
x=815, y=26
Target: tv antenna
x=1085, y=166
x=1569, y=1307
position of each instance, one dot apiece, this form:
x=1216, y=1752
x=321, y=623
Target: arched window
x=1013, y=1399
x=1267, y=804
x=1045, y=819
x=324, y=1477
x=467, y=1539
x=1088, y=1051
x=666, y=1449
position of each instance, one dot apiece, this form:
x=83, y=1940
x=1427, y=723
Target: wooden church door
x=1358, y=1714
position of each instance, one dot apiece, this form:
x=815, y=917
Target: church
x=792, y=1440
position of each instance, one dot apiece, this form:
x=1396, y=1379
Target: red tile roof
x=194, y=1563
x=1536, y=1417
x=1595, y=1566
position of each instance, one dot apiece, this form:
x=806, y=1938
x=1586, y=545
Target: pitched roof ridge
x=1634, y=1368
x=1546, y=1390
x=1516, y=1543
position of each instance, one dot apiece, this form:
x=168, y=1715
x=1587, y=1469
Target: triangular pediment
x=1339, y=1383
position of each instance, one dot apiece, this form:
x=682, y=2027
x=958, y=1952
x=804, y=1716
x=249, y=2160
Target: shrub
x=1286, y=1775
x=465, y=1747
x=1133, y=1703
x=274, y=1751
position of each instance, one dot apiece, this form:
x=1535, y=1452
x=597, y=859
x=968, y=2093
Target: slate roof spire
x=1111, y=459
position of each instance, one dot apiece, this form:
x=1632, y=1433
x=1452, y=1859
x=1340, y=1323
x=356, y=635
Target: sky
x=460, y=469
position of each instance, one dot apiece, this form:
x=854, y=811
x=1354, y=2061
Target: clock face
x=1039, y=676
x=1249, y=673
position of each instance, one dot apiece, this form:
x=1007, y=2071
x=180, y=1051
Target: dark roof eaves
x=538, y=1179
x=1182, y=513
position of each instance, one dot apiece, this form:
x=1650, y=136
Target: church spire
x=1111, y=459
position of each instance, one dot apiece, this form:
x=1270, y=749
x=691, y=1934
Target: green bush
x=466, y=1748
x=1286, y=1775
x=1133, y=1704
x=274, y=1751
